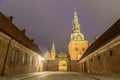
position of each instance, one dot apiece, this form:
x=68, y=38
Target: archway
x=62, y=65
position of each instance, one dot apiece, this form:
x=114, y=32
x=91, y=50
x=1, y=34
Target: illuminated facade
x=57, y=61
x=77, y=45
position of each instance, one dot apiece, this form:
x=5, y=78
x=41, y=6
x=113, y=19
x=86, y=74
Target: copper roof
x=113, y=31
x=10, y=29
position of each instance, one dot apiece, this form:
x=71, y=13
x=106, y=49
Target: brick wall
x=15, y=64
x=105, y=60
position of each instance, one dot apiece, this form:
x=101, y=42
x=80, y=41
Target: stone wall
x=4, y=40
x=74, y=65
x=51, y=65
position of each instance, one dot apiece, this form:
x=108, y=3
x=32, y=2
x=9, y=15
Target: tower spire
x=53, y=51
x=53, y=45
x=75, y=24
x=76, y=34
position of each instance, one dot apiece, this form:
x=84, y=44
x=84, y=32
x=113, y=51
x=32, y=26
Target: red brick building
x=18, y=53
x=103, y=56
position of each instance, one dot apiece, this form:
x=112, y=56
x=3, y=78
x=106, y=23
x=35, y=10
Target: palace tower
x=77, y=45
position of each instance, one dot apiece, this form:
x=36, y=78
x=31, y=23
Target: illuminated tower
x=77, y=44
x=53, y=51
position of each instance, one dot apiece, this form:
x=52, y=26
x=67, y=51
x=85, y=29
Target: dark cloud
x=47, y=20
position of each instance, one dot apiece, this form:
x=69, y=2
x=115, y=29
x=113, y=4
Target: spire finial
x=74, y=8
x=53, y=45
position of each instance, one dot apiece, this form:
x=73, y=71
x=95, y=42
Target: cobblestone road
x=61, y=76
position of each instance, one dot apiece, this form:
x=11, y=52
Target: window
x=31, y=60
x=98, y=57
x=15, y=56
x=26, y=56
x=111, y=52
x=0, y=45
x=78, y=57
x=0, y=41
x=23, y=59
x=83, y=49
x=76, y=49
x=27, y=59
x=91, y=60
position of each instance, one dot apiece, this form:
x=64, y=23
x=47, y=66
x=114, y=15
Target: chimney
x=10, y=18
x=96, y=37
x=23, y=31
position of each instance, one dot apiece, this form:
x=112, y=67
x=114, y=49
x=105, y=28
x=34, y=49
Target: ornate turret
x=53, y=51
x=76, y=35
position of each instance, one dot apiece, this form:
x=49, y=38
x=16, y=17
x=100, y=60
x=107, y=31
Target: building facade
x=57, y=61
x=77, y=46
x=103, y=55
x=18, y=54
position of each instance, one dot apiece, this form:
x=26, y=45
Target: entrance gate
x=62, y=65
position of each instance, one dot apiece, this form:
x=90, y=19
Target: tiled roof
x=10, y=29
x=113, y=31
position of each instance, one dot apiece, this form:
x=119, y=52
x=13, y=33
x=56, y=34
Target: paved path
x=60, y=76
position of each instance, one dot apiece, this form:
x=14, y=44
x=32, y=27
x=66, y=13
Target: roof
x=113, y=31
x=10, y=29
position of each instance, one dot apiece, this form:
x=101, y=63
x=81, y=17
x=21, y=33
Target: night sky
x=48, y=20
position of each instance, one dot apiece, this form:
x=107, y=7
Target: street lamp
x=41, y=58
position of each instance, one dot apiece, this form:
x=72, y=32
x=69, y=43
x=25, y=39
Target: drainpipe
x=5, y=60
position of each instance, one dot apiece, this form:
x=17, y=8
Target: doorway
x=85, y=67
x=62, y=65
